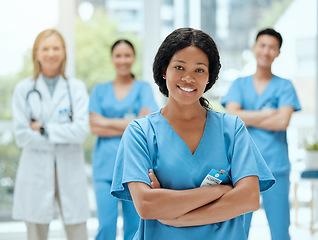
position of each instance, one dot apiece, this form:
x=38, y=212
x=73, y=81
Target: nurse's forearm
x=169, y=204
x=274, y=123
x=118, y=123
x=249, y=117
x=278, y=121
x=252, y=118
x=106, y=131
x=242, y=199
x=95, y=119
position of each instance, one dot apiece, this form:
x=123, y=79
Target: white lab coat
x=34, y=187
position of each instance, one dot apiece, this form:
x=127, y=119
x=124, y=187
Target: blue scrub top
x=279, y=92
x=151, y=143
x=104, y=102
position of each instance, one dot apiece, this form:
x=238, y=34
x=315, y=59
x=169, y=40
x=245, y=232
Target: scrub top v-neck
x=268, y=86
x=104, y=102
x=131, y=91
x=278, y=93
x=151, y=143
x=180, y=142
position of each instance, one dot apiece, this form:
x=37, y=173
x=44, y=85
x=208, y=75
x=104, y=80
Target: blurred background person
x=112, y=106
x=50, y=122
x=265, y=103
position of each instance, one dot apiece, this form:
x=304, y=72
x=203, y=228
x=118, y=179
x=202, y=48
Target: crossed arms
x=111, y=127
x=194, y=207
x=270, y=119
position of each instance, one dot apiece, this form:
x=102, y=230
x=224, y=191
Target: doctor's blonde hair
x=42, y=35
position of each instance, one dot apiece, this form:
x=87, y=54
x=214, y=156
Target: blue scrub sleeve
x=148, y=99
x=288, y=97
x=95, y=100
x=133, y=161
x=246, y=159
x=234, y=94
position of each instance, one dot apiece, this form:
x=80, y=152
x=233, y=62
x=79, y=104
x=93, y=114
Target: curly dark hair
x=178, y=40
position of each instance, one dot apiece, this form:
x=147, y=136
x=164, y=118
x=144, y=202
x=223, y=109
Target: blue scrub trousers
x=107, y=213
x=276, y=206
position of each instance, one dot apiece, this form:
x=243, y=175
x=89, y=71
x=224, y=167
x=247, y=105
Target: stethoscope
x=35, y=91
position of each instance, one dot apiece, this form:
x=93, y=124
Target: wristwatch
x=42, y=130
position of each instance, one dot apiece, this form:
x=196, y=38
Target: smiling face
x=266, y=49
x=187, y=75
x=50, y=54
x=123, y=57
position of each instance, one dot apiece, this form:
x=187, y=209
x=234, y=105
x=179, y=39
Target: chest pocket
x=270, y=103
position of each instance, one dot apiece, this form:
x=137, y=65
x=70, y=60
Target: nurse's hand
x=154, y=181
x=96, y=119
x=143, y=112
x=269, y=111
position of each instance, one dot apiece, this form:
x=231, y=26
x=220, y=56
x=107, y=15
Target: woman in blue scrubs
x=164, y=157
x=112, y=106
x=265, y=103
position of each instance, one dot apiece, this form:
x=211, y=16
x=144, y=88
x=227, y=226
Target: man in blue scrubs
x=265, y=103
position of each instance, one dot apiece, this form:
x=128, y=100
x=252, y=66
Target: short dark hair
x=271, y=32
x=178, y=40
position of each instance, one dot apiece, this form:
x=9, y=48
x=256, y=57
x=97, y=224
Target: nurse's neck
x=182, y=112
x=263, y=74
x=124, y=79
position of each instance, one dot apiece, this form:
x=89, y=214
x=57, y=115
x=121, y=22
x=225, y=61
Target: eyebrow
x=199, y=63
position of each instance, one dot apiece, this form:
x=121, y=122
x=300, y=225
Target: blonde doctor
x=50, y=116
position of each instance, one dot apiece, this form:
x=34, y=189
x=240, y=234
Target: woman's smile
x=187, y=89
